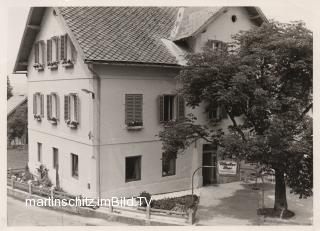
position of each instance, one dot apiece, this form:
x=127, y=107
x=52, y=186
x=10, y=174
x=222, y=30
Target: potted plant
x=53, y=65
x=72, y=124
x=53, y=120
x=38, y=66
x=67, y=63
x=37, y=117
x=134, y=125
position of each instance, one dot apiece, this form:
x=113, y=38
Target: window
x=53, y=107
x=171, y=107
x=67, y=51
x=133, y=168
x=168, y=166
x=38, y=107
x=75, y=165
x=71, y=109
x=39, y=152
x=53, y=52
x=217, y=113
x=39, y=55
x=55, y=157
x=133, y=110
x=217, y=45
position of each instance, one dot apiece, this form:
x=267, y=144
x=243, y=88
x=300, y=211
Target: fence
x=145, y=213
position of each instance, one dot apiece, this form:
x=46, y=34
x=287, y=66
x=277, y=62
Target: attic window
x=233, y=18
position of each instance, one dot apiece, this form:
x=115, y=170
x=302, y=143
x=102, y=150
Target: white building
x=101, y=80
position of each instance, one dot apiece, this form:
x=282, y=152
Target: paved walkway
x=236, y=204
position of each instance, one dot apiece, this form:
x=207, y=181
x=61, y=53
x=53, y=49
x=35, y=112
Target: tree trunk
x=280, y=200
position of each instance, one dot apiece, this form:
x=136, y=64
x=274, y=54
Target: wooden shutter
x=36, y=52
x=63, y=47
x=76, y=108
x=56, y=42
x=224, y=113
x=42, y=105
x=57, y=106
x=34, y=104
x=129, y=108
x=73, y=52
x=180, y=107
x=49, y=50
x=161, y=108
x=42, y=48
x=49, y=107
x=138, y=101
x=66, y=107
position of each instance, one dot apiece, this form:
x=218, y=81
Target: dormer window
x=39, y=55
x=53, y=108
x=53, y=53
x=67, y=51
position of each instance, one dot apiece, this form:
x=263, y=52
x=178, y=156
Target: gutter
x=86, y=61
x=98, y=98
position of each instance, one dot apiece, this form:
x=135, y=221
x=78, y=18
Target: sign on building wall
x=227, y=167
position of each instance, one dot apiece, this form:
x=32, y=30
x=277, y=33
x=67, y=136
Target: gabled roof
x=14, y=102
x=139, y=35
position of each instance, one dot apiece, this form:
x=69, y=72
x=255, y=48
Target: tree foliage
x=265, y=79
x=9, y=89
x=17, y=123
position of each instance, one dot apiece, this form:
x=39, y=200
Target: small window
x=39, y=152
x=53, y=53
x=171, y=107
x=55, y=157
x=217, y=45
x=39, y=59
x=75, y=165
x=71, y=109
x=233, y=18
x=68, y=52
x=217, y=113
x=38, y=105
x=133, y=110
x=133, y=168
x=168, y=166
x=53, y=107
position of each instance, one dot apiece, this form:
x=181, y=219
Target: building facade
x=101, y=82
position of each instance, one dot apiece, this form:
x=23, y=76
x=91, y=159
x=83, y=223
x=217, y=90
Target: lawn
x=17, y=157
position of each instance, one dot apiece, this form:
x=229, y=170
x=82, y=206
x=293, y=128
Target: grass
x=17, y=157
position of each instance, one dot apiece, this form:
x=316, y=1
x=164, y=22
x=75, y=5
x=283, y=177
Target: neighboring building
x=15, y=105
x=101, y=80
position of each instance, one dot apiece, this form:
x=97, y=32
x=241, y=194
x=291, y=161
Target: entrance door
x=209, y=158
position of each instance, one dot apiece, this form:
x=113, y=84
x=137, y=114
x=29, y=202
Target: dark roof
x=126, y=34
x=122, y=34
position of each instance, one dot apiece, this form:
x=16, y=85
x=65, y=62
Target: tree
x=264, y=83
x=17, y=123
x=9, y=89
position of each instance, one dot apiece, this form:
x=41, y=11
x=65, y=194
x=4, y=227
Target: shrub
x=145, y=195
x=185, y=202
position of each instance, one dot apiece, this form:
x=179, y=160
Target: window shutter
x=57, y=106
x=76, y=108
x=66, y=107
x=42, y=104
x=180, y=108
x=63, y=51
x=161, y=108
x=138, y=107
x=49, y=50
x=73, y=53
x=129, y=108
x=56, y=41
x=42, y=48
x=49, y=107
x=36, y=53
x=34, y=104
x=224, y=113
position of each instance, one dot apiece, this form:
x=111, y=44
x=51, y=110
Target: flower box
x=53, y=65
x=38, y=66
x=53, y=121
x=67, y=63
x=37, y=117
x=72, y=124
x=134, y=127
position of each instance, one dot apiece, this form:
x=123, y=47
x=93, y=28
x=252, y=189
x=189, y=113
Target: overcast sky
x=18, y=15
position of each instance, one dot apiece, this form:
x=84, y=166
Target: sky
x=17, y=17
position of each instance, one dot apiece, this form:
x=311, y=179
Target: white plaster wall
x=222, y=28
x=62, y=81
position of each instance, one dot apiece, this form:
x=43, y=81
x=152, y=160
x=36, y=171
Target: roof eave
x=126, y=63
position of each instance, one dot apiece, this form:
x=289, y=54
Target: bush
x=145, y=195
x=184, y=202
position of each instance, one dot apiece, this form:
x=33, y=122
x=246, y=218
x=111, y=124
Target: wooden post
x=110, y=208
x=190, y=216
x=148, y=212
x=12, y=183
x=30, y=187
x=52, y=192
